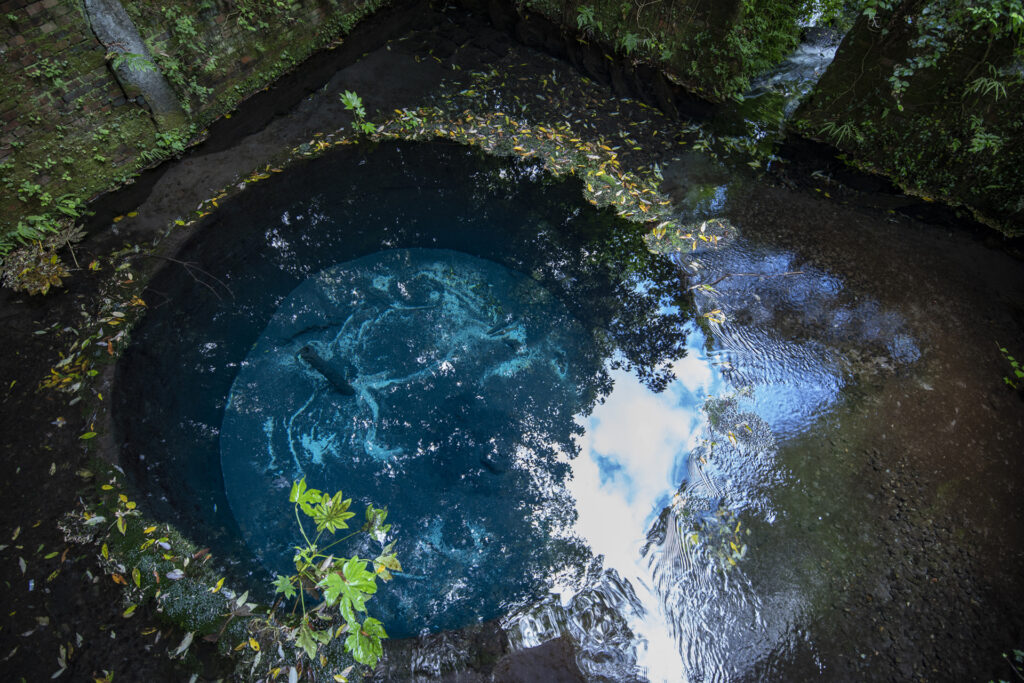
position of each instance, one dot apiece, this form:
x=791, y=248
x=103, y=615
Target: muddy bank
x=943, y=492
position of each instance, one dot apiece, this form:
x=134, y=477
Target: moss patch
x=951, y=130
x=68, y=132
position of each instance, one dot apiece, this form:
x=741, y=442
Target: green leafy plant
x=987, y=85
x=1015, y=380
x=629, y=42
x=1017, y=664
x=981, y=139
x=133, y=61
x=183, y=26
x=354, y=103
x=51, y=69
x=35, y=267
x=342, y=585
x=840, y=133
x=586, y=22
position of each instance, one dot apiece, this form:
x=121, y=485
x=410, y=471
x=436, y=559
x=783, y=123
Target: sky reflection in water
x=632, y=459
x=637, y=448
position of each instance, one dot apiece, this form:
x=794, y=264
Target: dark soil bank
x=935, y=449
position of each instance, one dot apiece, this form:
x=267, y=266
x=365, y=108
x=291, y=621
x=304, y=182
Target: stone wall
x=711, y=48
x=71, y=127
x=954, y=134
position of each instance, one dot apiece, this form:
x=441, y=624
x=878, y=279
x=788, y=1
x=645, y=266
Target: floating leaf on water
x=105, y=552
x=137, y=577
x=220, y=584
x=184, y=644
x=87, y=435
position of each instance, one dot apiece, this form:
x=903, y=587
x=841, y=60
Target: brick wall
x=53, y=66
x=66, y=127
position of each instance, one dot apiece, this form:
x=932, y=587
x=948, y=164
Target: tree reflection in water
x=473, y=468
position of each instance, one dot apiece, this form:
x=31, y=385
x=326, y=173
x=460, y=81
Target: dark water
x=476, y=309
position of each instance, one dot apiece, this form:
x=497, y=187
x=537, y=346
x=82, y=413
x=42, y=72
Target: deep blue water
x=468, y=312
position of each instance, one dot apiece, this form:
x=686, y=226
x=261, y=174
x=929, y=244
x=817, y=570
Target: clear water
x=520, y=381
x=480, y=313
x=466, y=377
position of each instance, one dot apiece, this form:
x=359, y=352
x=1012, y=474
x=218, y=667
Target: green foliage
x=174, y=141
x=354, y=104
x=840, y=133
x=871, y=8
x=586, y=22
x=982, y=140
x=254, y=15
x=51, y=69
x=987, y=85
x=1016, y=665
x=929, y=94
x=712, y=52
x=131, y=60
x=35, y=266
x=1015, y=380
x=183, y=26
x=345, y=584
x=942, y=26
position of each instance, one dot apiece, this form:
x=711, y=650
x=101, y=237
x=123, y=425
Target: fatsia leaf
x=298, y=488
x=283, y=584
x=387, y=562
x=306, y=640
x=353, y=585
x=358, y=577
x=348, y=614
x=372, y=627
x=364, y=643
x=332, y=512
x=334, y=587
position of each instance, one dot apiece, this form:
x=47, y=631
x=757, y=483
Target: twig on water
x=192, y=269
x=728, y=275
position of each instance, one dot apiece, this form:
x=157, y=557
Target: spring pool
x=423, y=327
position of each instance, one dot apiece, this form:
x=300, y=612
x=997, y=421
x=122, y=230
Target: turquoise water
x=465, y=378
x=426, y=329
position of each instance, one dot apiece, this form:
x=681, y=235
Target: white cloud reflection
x=632, y=460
